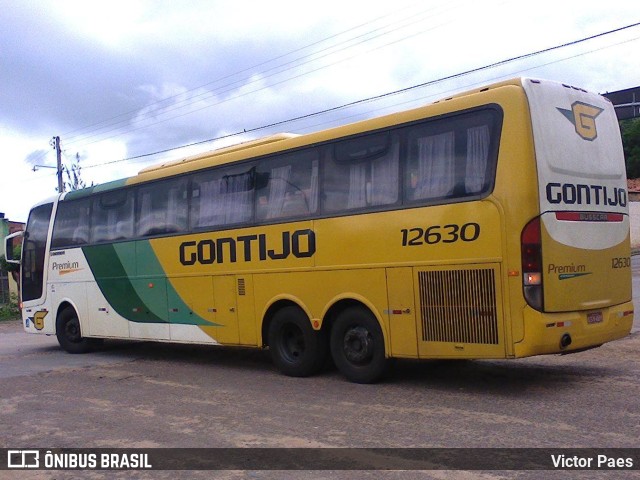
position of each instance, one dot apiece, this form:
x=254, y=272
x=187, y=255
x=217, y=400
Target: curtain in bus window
x=225, y=200
x=384, y=178
x=211, y=204
x=357, y=186
x=436, y=166
x=374, y=182
x=238, y=198
x=477, y=155
x=278, y=182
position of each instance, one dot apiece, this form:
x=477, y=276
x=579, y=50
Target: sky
x=119, y=81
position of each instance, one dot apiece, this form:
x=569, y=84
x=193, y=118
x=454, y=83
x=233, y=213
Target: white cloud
x=21, y=186
x=113, y=23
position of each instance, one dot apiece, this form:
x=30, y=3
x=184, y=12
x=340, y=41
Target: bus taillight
x=531, y=246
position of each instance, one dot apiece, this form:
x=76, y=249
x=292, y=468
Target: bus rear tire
x=296, y=349
x=357, y=345
x=69, y=335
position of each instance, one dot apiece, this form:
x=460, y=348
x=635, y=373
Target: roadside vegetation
x=11, y=310
x=631, y=143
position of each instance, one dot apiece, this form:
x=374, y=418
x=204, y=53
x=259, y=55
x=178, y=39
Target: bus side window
x=287, y=186
x=112, y=216
x=162, y=208
x=362, y=172
x=223, y=196
x=451, y=159
x=71, y=225
x=430, y=165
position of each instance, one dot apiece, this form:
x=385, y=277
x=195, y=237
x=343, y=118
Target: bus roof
x=220, y=151
x=274, y=143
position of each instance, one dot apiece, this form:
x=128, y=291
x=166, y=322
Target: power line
x=379, y=97
x=349, y=43
x=231, y=75
x=276, y=70
x=484, y=81
x=271, y=85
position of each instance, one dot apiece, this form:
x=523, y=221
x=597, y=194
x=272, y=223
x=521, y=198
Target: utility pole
x=56, y=146
x=55, y=143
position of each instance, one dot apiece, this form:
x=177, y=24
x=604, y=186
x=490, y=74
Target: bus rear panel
x=576, y=253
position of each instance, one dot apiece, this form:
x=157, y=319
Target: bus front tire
x=357, y=345
x=69, y=335
x=297, y=349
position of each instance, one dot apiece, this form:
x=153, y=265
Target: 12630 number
x=435, y=234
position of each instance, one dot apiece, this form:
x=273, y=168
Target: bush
x=11, y=310
x=8, y=267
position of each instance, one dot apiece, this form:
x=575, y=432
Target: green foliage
x=10, y=310
x=631, y=144
x=9, y=267
x=74, y=179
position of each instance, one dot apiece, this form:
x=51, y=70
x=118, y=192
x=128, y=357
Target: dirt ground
x=147, y=395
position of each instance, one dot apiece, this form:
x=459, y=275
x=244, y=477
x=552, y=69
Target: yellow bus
x=493, y=224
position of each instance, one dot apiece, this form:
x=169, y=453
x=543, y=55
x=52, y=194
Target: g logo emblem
x=583, y=116
x=38, y=319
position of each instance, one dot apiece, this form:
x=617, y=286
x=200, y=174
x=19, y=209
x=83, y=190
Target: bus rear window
x=451, y=158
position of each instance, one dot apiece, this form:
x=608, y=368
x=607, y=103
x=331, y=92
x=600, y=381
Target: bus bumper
x=547, y=333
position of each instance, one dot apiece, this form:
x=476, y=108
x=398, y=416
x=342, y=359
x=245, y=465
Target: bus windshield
x=33, y=252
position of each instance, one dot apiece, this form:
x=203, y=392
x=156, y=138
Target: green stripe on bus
x=133, y=282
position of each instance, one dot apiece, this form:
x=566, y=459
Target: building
x=8, y=284
x=626, y=102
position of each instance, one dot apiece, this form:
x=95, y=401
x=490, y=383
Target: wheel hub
x=293, y=343
x=358, y=345
x=73, y=331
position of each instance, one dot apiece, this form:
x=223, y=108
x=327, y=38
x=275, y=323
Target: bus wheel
x=357, y=345
x=68, y=333
x=296, y=348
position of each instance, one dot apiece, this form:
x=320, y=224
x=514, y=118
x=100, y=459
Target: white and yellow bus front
x=576, y=253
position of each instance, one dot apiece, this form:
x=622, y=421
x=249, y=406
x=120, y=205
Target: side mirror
x=8, y=247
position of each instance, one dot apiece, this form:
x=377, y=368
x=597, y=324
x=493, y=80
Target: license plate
x=594, y=317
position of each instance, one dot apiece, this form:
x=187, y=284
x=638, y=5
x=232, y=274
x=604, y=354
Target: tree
x=631, y=144
x=74, y=179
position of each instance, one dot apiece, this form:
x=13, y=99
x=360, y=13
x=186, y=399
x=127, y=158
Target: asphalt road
x=146, y=395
